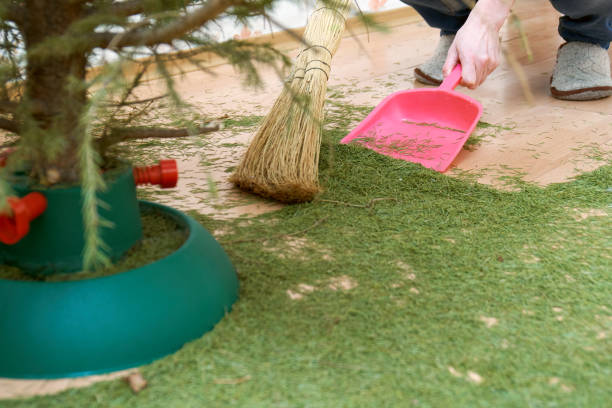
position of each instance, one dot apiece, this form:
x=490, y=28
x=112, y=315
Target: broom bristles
x=282, y=161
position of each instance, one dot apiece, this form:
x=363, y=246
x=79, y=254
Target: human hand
x=477, y=44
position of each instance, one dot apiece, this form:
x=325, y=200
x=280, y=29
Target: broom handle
x=339, y=9
x=322, y=36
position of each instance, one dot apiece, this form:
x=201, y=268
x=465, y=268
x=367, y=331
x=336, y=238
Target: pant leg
x=585, y=20
x=446, y=15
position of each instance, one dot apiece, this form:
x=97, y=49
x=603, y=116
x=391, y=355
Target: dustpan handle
x=453, y=79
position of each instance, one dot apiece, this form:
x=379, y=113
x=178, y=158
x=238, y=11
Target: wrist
x=492, y=13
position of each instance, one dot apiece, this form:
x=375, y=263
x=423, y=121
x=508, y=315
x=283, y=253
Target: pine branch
x=10, y=125
x=94, y=252
x=167, y=33
x=136, y=102
x=7, y=106
x=126, y=94
x=293, y=34
x=127, y=8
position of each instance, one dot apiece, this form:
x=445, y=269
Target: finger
x=482, y=70
x=494, y=57
x=482, y=67
x=468, y=73
x=452, y=58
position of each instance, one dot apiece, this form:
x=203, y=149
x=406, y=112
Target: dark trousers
x=583, y=20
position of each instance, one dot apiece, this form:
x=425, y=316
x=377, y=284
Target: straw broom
x=282, y=161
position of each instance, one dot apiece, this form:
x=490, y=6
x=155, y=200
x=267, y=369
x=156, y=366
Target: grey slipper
x=430, y=72
x=582, y=72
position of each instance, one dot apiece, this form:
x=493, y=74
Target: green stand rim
x=94, y=326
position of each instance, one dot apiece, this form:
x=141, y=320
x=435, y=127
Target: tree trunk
x=55, y=91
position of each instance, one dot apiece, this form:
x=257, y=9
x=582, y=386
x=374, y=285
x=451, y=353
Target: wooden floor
x=549, y=141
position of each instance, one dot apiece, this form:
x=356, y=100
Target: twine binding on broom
x=282, y=160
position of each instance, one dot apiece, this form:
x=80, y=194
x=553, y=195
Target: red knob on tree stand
x=165, y=174
x=5, y=155
x=14, y=227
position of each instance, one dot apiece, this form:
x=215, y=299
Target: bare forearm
x=492, y=12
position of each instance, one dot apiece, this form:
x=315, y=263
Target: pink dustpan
x=427, y=126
